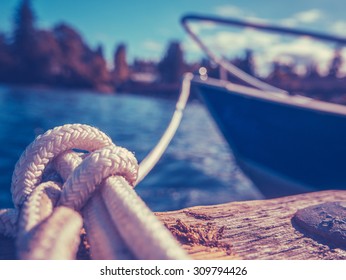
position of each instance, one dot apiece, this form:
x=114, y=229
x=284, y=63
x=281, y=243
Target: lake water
x=197, y=168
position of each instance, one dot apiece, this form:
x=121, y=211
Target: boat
x=285, y=144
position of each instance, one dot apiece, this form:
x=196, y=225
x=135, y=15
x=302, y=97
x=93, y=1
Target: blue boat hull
x=285, y=147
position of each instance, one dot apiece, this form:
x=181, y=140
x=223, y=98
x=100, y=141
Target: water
x=197, y=168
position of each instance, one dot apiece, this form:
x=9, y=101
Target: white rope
x=67, y=162
x=115, y=216
x=57, y=237
x=38, y=206
x=29, y=169
x=93, y=170
x=156, y=153
x=227, y=65
x=138, y=226
x=44, y=229
x=104, y=238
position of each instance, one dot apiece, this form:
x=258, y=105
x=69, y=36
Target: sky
x=146, y=26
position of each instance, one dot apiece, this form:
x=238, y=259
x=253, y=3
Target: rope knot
x=50, y=212
x=32, y=163
x=95, y=168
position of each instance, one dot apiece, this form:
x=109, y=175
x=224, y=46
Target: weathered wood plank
x=260, y=229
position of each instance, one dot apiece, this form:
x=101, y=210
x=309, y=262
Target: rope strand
x=105, y=240
x=99, y=184
x=137, y=224
x=29, y=169
x=57, y=237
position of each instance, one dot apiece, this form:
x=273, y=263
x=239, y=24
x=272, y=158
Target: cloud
x=152, y=45
x=270, y=47
x=202, y=26
x=192, y=50
x=290, y=22
x=191, y=46
x=309, y=16
x=256, y=19
x=229, y=11
x=305, y=17
x=300, y=52
x=339, y=27
x=232, y=42
x=236, y=12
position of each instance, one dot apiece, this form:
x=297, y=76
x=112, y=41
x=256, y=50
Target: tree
x=98, y=72
x=312, y=71
x=246, y=63
x=121, y=71
x=80, y=66
x=24, y=40
x=47, y=65
x=24, y=24
x=7, y=63
x=249, y=66
x=171, y=67
x=335, y=64
x=282, y=71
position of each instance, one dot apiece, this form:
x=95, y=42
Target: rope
x=104, y=238
x=127, y=210
x=38, y=206
x=95, y=187
x=153, y=157
x=225, y=64
x=29, y=169
x=56, y=237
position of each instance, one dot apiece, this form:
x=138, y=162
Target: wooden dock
x=253, y=230
x=249, y=230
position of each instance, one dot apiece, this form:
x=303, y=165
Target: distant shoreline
x=163, y=91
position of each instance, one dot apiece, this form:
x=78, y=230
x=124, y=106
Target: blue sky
x=147, y=25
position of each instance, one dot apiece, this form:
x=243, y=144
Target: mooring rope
x=153, y=157
x=73, y=176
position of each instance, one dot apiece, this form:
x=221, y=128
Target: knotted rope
x=56, y=190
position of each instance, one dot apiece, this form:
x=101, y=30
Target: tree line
x=60, y=57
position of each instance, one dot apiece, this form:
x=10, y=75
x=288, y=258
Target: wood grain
x=259, y=229
x=250, y=230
